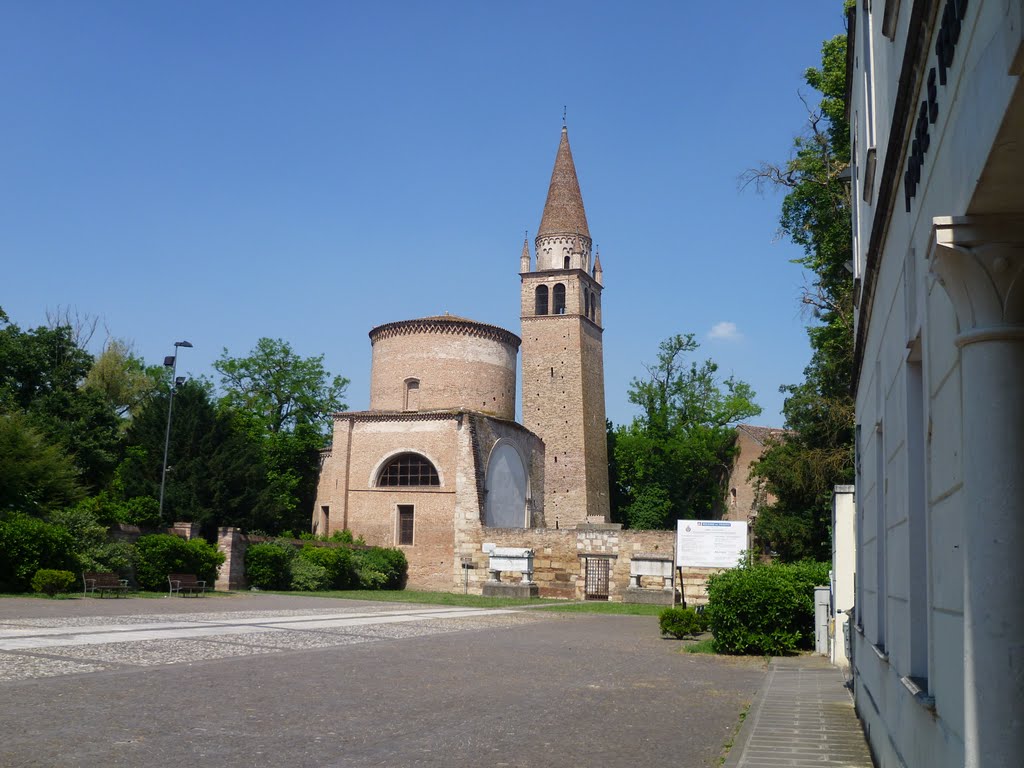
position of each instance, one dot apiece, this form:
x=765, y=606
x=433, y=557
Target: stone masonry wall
x=559, y=558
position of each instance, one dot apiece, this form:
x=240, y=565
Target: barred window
x=408, y=469
x=406, y=518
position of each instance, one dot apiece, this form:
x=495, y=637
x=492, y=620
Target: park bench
x=185, y=584
x=104, y=583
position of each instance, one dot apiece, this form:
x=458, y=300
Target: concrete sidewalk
x=802, y=716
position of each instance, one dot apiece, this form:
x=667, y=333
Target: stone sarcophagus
x=657, y=567
x=510, y=560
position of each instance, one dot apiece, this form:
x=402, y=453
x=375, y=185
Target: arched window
x=408, y=469
x=558, y=299
x=593, y=306
x=541, y=300
x=506, y=485
x=412, y=394
x=565, y=263
x=586, y=303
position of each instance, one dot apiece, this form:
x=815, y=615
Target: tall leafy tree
x=41, y=373
x=801, y=469
x=673, y=460
x=121, y=377
x=285, y=402
x=35, y=476
x=216, y=474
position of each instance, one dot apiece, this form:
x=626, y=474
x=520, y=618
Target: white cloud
x=725, y=331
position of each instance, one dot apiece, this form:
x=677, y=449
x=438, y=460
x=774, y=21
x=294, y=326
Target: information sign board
x=710, y=543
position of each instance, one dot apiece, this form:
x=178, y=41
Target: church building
x=438, y=465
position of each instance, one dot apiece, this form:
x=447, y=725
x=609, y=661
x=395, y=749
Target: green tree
x=40, y=375
x=673, y=460
x=801, y=469
x=215, y=472
x=35, y=475
x=285, y=403
x=121, y=377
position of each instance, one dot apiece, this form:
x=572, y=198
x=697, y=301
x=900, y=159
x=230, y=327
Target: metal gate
x=596, y=586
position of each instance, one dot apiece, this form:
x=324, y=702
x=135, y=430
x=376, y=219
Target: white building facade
x=937, y=120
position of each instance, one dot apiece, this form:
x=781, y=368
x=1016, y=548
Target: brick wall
x=458, y=364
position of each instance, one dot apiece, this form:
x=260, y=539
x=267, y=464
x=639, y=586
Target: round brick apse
x=443, y=363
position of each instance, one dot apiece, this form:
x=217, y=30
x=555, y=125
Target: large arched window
x=558, y=296
x=541, y=300
x=408, y=469
x=506, y=483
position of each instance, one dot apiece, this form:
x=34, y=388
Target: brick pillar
x=186, y=530
x=233, y=544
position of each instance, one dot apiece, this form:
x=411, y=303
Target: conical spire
x=524, y=259
x=563, y=210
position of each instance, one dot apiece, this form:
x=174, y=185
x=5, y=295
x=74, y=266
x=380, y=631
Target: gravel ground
x=347, y=688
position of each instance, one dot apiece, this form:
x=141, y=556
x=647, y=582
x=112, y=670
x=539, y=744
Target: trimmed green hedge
x=27, y=544
x=681, y=622
x=281, y=565
x=50, y=582
x=268, y=565
x=160, y=554
x=764, y=609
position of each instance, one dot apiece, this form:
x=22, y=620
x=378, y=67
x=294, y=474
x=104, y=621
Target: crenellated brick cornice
x=445, y=324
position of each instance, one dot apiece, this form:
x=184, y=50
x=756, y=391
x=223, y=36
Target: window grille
x=406, y=517
x=408, y=469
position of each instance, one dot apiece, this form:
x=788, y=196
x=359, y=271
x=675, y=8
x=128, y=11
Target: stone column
x=980, y=263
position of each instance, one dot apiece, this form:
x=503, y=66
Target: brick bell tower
x=563, y=363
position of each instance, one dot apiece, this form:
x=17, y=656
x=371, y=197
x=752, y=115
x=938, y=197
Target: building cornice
x=556, y=273
x=915, y=57
x=445, y=324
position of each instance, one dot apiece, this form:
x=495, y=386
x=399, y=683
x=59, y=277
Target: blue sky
x=222, y=171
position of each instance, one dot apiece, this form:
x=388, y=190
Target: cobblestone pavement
x=803, y=717
x=272, y=680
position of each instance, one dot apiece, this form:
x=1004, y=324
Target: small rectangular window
x=405, y=524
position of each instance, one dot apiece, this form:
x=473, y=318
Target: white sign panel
x=710, y=543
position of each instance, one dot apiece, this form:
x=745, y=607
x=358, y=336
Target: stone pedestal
x=980, y=263
x=649, y=596
x=519, y=590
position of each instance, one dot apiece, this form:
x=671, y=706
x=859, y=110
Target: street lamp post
x=171, y=361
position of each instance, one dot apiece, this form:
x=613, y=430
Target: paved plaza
x=267, y=680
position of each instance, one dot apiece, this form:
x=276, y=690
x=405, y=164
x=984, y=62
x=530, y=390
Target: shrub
x=160, y=554
x=268, y=565
x=681, y=622
x=27, y=545
x=307, y=576
x=50, y=582
x=338, y=563
x=381, y=568
x=764, y=609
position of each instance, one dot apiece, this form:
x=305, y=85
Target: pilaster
x=980, y=263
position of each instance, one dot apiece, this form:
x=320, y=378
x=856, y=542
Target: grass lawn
x=591, y=606
x=418, y=596
x=478, y=601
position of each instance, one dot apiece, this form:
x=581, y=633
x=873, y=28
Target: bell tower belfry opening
x=563, y=362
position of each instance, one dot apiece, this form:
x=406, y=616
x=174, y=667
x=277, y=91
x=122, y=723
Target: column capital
x=979, y=260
